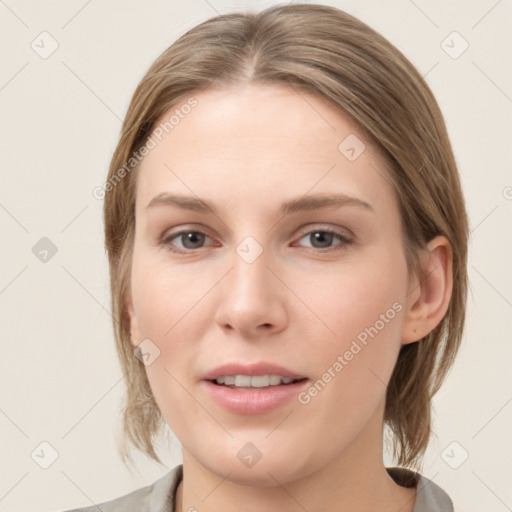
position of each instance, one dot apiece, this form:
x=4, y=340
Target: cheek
x=352, y=298
x=171, y=311
x=359, y=336
x=164, y=295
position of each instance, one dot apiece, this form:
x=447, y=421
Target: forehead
x=258, y=138
x=261, y=111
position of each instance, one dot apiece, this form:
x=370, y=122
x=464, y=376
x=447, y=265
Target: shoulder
x=429, y=496
x=157, y=497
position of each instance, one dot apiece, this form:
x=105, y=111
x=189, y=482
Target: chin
x=278, y=467
x=260, y=475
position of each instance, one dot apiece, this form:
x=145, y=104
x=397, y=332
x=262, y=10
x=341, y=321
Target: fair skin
x=298, y=304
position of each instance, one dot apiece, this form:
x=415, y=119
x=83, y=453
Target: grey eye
x=321, y=239
x=191, y=239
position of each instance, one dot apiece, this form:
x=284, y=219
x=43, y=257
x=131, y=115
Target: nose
x=252, y=299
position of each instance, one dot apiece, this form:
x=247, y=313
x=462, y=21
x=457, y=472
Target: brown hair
x=329, y=53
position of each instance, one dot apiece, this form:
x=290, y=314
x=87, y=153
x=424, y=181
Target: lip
x=253, y=401
x=261, y=368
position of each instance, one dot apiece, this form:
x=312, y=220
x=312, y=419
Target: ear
x=430, y=293
x=134, y=328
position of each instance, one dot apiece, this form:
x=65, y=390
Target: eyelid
x=185, y=228
x=319, y=227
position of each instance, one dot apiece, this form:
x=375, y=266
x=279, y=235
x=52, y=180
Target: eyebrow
x=305, y=203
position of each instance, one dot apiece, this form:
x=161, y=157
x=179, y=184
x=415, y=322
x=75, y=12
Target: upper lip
x=261, y=368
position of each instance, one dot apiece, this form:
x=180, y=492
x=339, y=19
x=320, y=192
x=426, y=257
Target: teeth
x=274, y=380
x=242, y=380
x=256, y=381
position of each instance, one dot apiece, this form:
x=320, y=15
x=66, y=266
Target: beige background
x=60, y=118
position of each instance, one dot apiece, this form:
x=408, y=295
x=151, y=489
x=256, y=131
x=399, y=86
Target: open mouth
x=254, y=382
x=253, y=394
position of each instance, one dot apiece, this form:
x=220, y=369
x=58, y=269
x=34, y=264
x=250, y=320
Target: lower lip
x=253, y=400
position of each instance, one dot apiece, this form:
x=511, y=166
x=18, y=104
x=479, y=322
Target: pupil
x=322, y=237
x=192, y=237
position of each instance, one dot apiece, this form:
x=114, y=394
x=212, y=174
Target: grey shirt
x=160, y=496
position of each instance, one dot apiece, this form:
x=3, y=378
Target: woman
x=287, y=241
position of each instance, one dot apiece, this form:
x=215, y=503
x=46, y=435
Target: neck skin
x=355, y=480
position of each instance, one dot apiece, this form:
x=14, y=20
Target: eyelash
x=166, y=240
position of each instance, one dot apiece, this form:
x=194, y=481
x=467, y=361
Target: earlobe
x=431, y=292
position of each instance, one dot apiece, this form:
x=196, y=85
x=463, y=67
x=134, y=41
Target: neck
x=355, y=479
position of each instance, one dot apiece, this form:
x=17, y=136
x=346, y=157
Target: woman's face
x=262, y=281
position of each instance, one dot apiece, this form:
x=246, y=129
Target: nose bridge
x=249, y=277
x=249, y=296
